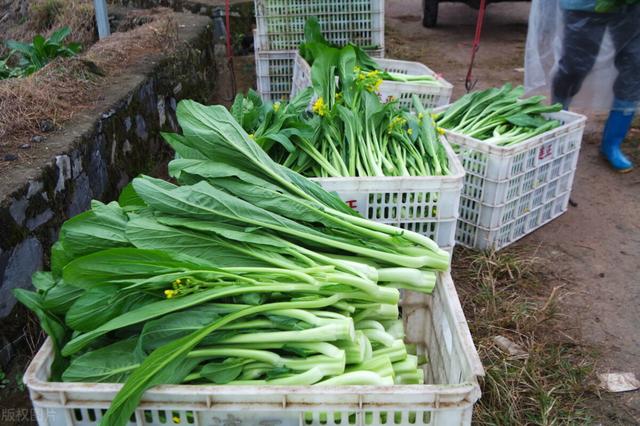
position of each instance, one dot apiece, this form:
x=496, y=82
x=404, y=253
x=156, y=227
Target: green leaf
x=526, y=120
x=282, y=140
x=163, y=307
x=181, y=147
x=100, y=228
x=313, y=32
x=277, y=372
x=59, y=298
x=213, y=131
x=129, y=200
x=237, y=109
x=109, y=364
x=163, y=364
x=173, y=235
x=99, y=305
x=24, y=48
x=50, y=324
x=224, y=372
x=121, y=265
x=59, y=35
x=43, y=281
x=162, y=331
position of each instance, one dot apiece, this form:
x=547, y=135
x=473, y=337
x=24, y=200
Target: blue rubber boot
x=615, y=130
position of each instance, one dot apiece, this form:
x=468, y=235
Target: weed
x=3, y=380
x=509, y=294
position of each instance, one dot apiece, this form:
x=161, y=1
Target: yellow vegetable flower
x=176, y=419
x=251, y=136
x=410, y=131
x=440, y=130
x=420, y=116
x=319, y=107
x=169, y=293
x=276, y=106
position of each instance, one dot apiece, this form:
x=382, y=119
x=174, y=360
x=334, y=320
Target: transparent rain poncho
x=580, y=57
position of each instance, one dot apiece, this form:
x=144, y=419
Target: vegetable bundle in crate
x=242, y=273
x=401, y=80
x=390, y=165
x=519, y=157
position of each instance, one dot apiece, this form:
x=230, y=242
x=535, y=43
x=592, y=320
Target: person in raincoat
x=585, y=23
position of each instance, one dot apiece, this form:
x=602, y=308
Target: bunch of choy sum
x=348, y=131
x=499, y=116
x=240, y=272
x=316, y=46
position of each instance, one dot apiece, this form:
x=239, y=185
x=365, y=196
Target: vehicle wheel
x=474, y=3
x=429, y=13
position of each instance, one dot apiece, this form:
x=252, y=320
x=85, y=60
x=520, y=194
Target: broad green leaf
x=224, y=372
x=181, y=147
x=173, y=235
x=213, y=131
x=94, y=230
x=129, y=200
x=43, y=281
x=121, y=264
x=108, y=364
x=203, y=201
x=226, y=230
x=173, y=326
x=162, y=365
x=101, y=304
x=526, y=120
x=163, y=307
x=237, y=109
x=283, y=204
x=59, y=298
x=50, y=324
x=278, y=372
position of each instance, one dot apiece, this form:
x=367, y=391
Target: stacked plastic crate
x=280, y=30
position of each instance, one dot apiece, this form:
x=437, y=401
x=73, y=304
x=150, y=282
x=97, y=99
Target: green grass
x=513, y=294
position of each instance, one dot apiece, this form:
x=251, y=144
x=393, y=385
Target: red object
x=227, y=12
x=468, y=83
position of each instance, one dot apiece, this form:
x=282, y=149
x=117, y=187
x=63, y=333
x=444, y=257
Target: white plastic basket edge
x=454, y=179
x=573, y=122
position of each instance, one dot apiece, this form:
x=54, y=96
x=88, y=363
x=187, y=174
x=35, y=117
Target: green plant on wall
x=35, y=55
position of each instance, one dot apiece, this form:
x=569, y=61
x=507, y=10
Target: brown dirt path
x=597, y=242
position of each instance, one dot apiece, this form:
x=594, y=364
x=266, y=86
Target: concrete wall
x=98, y=153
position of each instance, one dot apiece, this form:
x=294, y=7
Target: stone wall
x=241, y=14
x=98, y=153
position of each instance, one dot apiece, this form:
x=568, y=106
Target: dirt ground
x=597, y=242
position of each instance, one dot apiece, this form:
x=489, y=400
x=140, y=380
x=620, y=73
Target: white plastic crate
x=430, y=96
x=511, y=191
x=424, y=204
x=435, y=323
x=280, y=23
x=274, y=73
